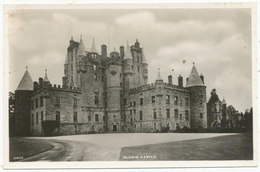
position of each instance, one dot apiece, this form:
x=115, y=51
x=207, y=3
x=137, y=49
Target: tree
x=11, y=113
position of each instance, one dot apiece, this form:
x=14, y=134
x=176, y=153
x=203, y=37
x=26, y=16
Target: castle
x=108, y=93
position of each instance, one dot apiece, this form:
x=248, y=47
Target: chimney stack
x=180, y=81
x=170, y=79
x=202, y=78
x=104, y=51
x=122, y=52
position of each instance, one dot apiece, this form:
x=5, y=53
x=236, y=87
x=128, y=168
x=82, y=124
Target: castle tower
x=128, y=69
x=159, y=96
x=224, y=113
x=114, y=85
x=145, y=67
x=23, y=105
x=46, y=81
x=138, y=65
x=198, y=104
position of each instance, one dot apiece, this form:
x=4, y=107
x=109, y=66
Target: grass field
x=233, y=147
x=21, y=148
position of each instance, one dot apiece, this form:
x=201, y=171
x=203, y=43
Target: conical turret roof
x=46, y=79
x=128, y=54
x=93, y=47
x=194, y=78
x=81, y=48
x=26, y=83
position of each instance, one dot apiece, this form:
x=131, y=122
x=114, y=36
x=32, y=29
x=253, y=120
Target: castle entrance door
x=114, y=128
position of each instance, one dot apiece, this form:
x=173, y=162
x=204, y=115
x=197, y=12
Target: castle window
x=200, y=102
x=187, y=101
x=32, y=104
x=167, y=99
x=201, y=115
x=153, y=99
x=141, y=101
x=89, y=118
x=138, y=68
x=57, y=115
x=41, y=101
x=75, y=117
x=134, y=103
x=141, y=126
x=176, y=100
x=120, y=75
x=131, y=119
x=181, y=102
x=32, y=120
x=104, y=118
x=36, y=103
x=125, y=102
x=94, y=67
x=201, y=94
x=168, y=113
x=103, y=78
x=58, y=101
x=85, y=64
x=141, y=115
x=187, y=115
x=41, y=115
x=74, y=102
x=121, y=84
x=154, y=114
x=132, y=67
x=176, y=113
x=180, y=116
x=96, y=117
x=130, y=112
x=95, y=76
x=96, y=98
x=154, y=126
x=71, y=79
x=92, y=127
x=134, y=111
x=37, y=118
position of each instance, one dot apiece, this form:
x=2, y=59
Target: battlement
x=143, y=87
x=38, y=88
x=153, y=86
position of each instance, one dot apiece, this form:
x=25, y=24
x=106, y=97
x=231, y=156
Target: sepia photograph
x=152, y=84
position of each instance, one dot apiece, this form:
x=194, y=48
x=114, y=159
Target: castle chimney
x=64, y=82
x=180, y=81
x=170, y=79
x=202, y=78
x=40, y=82
x=104, y=51
x=35, y=86
x=122, y=52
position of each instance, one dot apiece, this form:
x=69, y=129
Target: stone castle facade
x=103, y=92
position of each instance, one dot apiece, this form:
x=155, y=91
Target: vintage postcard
x=130, y=85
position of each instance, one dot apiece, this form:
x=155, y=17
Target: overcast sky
x=217, y=40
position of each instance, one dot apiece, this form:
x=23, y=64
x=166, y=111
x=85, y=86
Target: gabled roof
x=128, y=54
x=194, y=78
x=93, y=47
x=26, y=83
x=81, y=48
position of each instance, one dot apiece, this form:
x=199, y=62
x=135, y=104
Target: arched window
x=96, y=98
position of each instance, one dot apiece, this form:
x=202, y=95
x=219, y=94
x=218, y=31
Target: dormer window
x=94, y=56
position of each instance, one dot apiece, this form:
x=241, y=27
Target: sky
x=218, y=41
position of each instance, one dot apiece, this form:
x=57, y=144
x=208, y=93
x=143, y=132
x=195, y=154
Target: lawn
x=233, y=147
x=21, y=148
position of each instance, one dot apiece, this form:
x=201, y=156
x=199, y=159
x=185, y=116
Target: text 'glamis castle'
x=108, y=93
